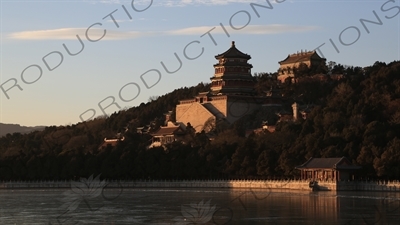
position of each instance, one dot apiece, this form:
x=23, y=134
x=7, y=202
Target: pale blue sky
x=32, y=29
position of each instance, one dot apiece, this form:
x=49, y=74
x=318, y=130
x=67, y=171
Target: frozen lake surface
x=93, y=205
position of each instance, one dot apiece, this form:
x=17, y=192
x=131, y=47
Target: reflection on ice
x=208, y=206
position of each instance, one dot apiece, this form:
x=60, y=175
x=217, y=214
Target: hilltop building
x=169, y=133
x=293, y=61
x=111, y=142
x=231, y=96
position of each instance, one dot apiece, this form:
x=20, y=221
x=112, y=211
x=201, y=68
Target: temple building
x=232, y=74
x=327, y=169
x=293, y=61
x=167, y=134
x=231, y=97
x=112, y=142
x=170, y=132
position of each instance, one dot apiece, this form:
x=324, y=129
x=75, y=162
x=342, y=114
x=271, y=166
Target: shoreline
x=383, y=186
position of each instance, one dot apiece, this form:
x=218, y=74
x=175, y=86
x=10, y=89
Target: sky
x=64, y=62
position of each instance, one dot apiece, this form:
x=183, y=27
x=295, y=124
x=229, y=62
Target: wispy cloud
x=176, y=3
x=277, y=29
x=181, y=3
x=250, y=29
x=70, y=33
x=202, y=2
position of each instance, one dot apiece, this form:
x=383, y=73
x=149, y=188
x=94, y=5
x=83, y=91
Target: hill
x=356, y=117
x=16, y=128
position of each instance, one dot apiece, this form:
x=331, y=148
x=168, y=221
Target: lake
x=91, y=205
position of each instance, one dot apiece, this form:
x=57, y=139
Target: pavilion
x=327, y=169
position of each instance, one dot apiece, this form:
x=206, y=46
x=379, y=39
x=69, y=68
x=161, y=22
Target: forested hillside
x=357, y=117
x=16, y=128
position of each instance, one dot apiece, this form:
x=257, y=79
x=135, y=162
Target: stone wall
x=368, y=185
x=220, y=103
x=230, y=107
x=237, y=108
x=193, y=113
x=256, y=184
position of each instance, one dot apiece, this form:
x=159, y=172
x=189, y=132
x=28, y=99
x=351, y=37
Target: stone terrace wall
x=263, y=184
x=256, y=184
x=368, y=186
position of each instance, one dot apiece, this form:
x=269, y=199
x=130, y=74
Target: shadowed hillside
x=356, y=116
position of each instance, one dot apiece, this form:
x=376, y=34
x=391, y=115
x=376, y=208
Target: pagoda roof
x=235, y=90
x=328, y=163
x=300, y=57
x=245, y=77
x=233, y=52
x=165, y=131
x=241, y=64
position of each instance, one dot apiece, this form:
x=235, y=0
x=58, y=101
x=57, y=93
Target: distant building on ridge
x=293, y=61
x=168, y=133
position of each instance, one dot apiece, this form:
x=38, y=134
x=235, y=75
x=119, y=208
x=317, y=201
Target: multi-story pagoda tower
x=231, y=97
x=232, y=74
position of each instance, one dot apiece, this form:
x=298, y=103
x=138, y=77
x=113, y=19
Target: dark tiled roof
x=233, y=52
x=300, y=57
x=234, y=63
x=328, y=163
x=237, y=90
x=166, y=131
x=234, y=77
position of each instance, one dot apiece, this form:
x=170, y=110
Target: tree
x=209, y=125
x=153, y=98
x=301, y=71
